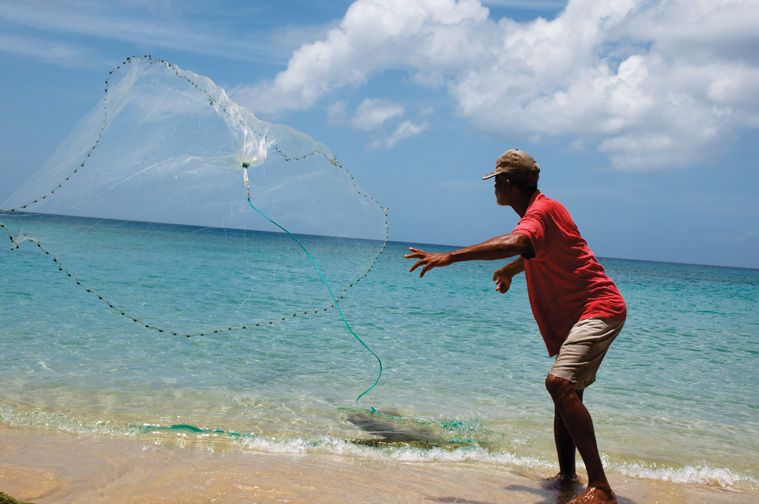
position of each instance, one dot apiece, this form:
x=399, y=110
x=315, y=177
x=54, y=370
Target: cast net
x=179, y=209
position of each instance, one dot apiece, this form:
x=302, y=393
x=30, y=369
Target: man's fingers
x=426, y=268
x=415, y=253
x=425, y=258
x=416, y=265
x=502, y=286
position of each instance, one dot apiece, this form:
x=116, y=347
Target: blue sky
x=642, y=114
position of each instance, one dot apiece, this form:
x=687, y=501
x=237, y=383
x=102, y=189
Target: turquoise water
x=463, y=365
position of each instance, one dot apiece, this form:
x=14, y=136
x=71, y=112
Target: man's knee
x=559, y=387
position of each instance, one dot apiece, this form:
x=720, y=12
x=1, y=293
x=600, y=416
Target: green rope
x=335, y=301
x=194, y=429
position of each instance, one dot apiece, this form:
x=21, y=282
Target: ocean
x=463, y=366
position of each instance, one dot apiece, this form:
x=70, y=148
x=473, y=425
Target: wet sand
x=46, y=466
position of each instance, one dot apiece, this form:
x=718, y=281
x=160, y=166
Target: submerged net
x=180, y=210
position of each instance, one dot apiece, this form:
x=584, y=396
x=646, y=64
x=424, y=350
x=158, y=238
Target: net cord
x=335, y=301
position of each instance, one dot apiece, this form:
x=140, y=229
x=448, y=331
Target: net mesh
x=148, y=205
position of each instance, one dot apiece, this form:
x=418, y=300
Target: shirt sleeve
x=532, y=225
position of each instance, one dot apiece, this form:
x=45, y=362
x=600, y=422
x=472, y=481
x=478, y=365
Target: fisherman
x=577, y=307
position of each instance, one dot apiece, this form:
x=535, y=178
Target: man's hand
x=502, y=278
x=428, y=259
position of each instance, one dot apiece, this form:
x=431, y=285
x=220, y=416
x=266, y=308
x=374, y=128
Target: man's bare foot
x=561, y=482
x=595, y=495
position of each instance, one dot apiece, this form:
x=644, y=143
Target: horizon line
x=388, y=241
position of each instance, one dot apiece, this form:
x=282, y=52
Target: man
x=578, y=309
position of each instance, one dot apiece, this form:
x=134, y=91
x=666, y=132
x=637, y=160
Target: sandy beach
x=44, y=467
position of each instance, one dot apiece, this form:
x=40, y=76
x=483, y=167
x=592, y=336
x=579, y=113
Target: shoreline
x=49, y=466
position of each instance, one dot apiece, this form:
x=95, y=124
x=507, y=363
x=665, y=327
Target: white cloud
x=406, y=129
x=373, y=35
x=652, y=84
x=374, y=112
x=376, y=115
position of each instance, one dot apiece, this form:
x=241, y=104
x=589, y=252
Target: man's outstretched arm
x=499, y=247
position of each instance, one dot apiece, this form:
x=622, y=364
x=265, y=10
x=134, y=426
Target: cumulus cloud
x=377, y=115
x=405, y=129
x=651, y=84
x=374, y=112
x=374, y=35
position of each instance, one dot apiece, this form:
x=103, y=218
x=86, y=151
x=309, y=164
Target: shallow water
x=463, y=365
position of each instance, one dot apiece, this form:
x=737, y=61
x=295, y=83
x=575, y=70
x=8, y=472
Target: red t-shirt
x=565, y=282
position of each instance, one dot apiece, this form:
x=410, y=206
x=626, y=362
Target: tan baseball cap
x=514, y=161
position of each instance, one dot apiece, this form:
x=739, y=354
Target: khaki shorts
x=585, y=347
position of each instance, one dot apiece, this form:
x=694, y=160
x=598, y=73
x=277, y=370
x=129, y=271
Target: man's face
x=502, y=190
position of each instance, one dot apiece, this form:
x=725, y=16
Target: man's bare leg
x=565, y=449
x=579, y=425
